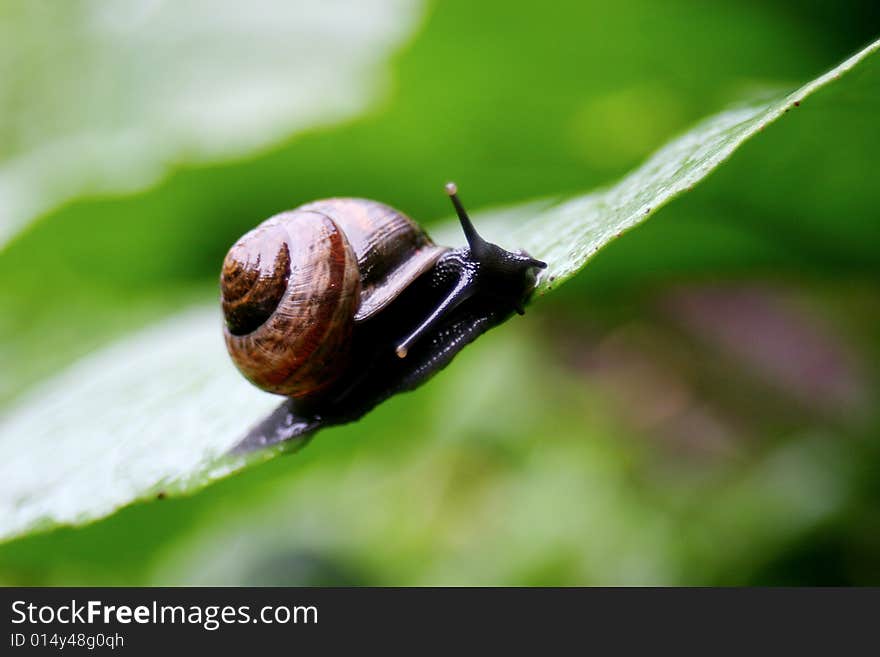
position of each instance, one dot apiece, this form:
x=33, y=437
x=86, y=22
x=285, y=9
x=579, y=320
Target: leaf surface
x=156, y=412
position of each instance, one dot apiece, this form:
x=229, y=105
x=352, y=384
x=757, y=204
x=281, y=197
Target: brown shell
x=391, y=249
x=303, y=261
x=293, y=288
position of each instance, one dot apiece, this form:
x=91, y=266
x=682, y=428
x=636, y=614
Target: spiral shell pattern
x=290, y=290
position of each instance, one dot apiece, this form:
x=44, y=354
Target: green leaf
x=156, y=412
x=151, y=414
x=567, y=233
x=96, y=100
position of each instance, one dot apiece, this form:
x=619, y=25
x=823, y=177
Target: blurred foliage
x=156, y=414
x=118, y=95
x=698, y=406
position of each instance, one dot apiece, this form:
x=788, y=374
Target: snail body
x=341, y=303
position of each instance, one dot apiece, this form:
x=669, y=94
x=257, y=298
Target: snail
x=341, y=303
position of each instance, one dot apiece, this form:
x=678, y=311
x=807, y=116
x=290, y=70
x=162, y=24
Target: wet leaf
x=566, y=233
x=157, y=411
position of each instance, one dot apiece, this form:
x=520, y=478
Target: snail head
x=489, y=270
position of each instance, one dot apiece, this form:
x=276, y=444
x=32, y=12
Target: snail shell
x=293, y=288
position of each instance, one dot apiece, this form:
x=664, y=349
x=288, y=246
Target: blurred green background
x=698, y=406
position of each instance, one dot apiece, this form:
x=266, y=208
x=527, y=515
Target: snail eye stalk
x=477, y=244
